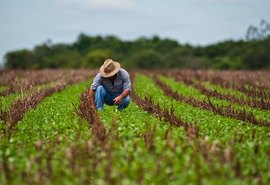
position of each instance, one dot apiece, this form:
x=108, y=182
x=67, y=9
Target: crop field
x=181, y=127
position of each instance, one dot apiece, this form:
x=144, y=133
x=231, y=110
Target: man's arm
x=119, y=98
x=126, y=87
x=92, y=98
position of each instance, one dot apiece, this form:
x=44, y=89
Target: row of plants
x=254, y=84
x=197, y=98
x=237, y=167
x=218, y=128
x=156, y=140
x=217, y=91
x=17, y=81
x=15, y=105
x=231, y=95
x=141, y=149
x=19, y=107
x=48, y=155
x=41, y=138
x=52, y=145
x=250, y=102
x=7, y=101
x=191, y=113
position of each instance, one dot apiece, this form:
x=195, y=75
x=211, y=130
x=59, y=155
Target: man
x=110, y=86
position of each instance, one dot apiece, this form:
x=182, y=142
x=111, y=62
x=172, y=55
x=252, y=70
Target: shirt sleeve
x=96, y=82
x=126, y=83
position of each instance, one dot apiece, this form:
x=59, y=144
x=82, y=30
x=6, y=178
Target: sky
x=27, y=23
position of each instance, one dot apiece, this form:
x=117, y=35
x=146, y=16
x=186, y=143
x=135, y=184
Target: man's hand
x=117, y=100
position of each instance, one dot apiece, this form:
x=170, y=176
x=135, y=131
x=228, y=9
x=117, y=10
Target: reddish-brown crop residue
x=19, y=107
x=221, y=110
x=148, y=105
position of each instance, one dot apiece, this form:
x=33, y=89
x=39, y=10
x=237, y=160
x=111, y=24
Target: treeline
x=155, y=52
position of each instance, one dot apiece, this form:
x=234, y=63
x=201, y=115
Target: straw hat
x=109, y=68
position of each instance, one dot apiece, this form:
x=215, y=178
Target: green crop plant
x=220, y=89
x=159, y=153
x=218, y=128
x=2, y=88
x=53, y=119
x=7, y=101
x=52, y=144
x=191, y=91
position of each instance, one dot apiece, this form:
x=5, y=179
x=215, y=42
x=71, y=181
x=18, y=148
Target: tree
x=175, y=58
x=258, y=33
x=257, y=58
x=153, y=52
x=21, y=59
x=96, y=58
x=148, y=59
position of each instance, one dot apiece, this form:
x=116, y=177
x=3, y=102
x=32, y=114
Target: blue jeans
x=102, y=96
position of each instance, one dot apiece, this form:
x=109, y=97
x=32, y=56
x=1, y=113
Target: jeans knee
x=100, y=93
x=100, y=88
x=126, y=100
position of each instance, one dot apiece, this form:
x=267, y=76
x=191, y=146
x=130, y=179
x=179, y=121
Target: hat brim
x=106, y=75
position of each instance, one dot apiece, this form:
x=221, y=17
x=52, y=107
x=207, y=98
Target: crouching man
x=110, y=86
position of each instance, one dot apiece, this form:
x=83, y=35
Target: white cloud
x=102, y=4
x=224, y=1
x=234, y=2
